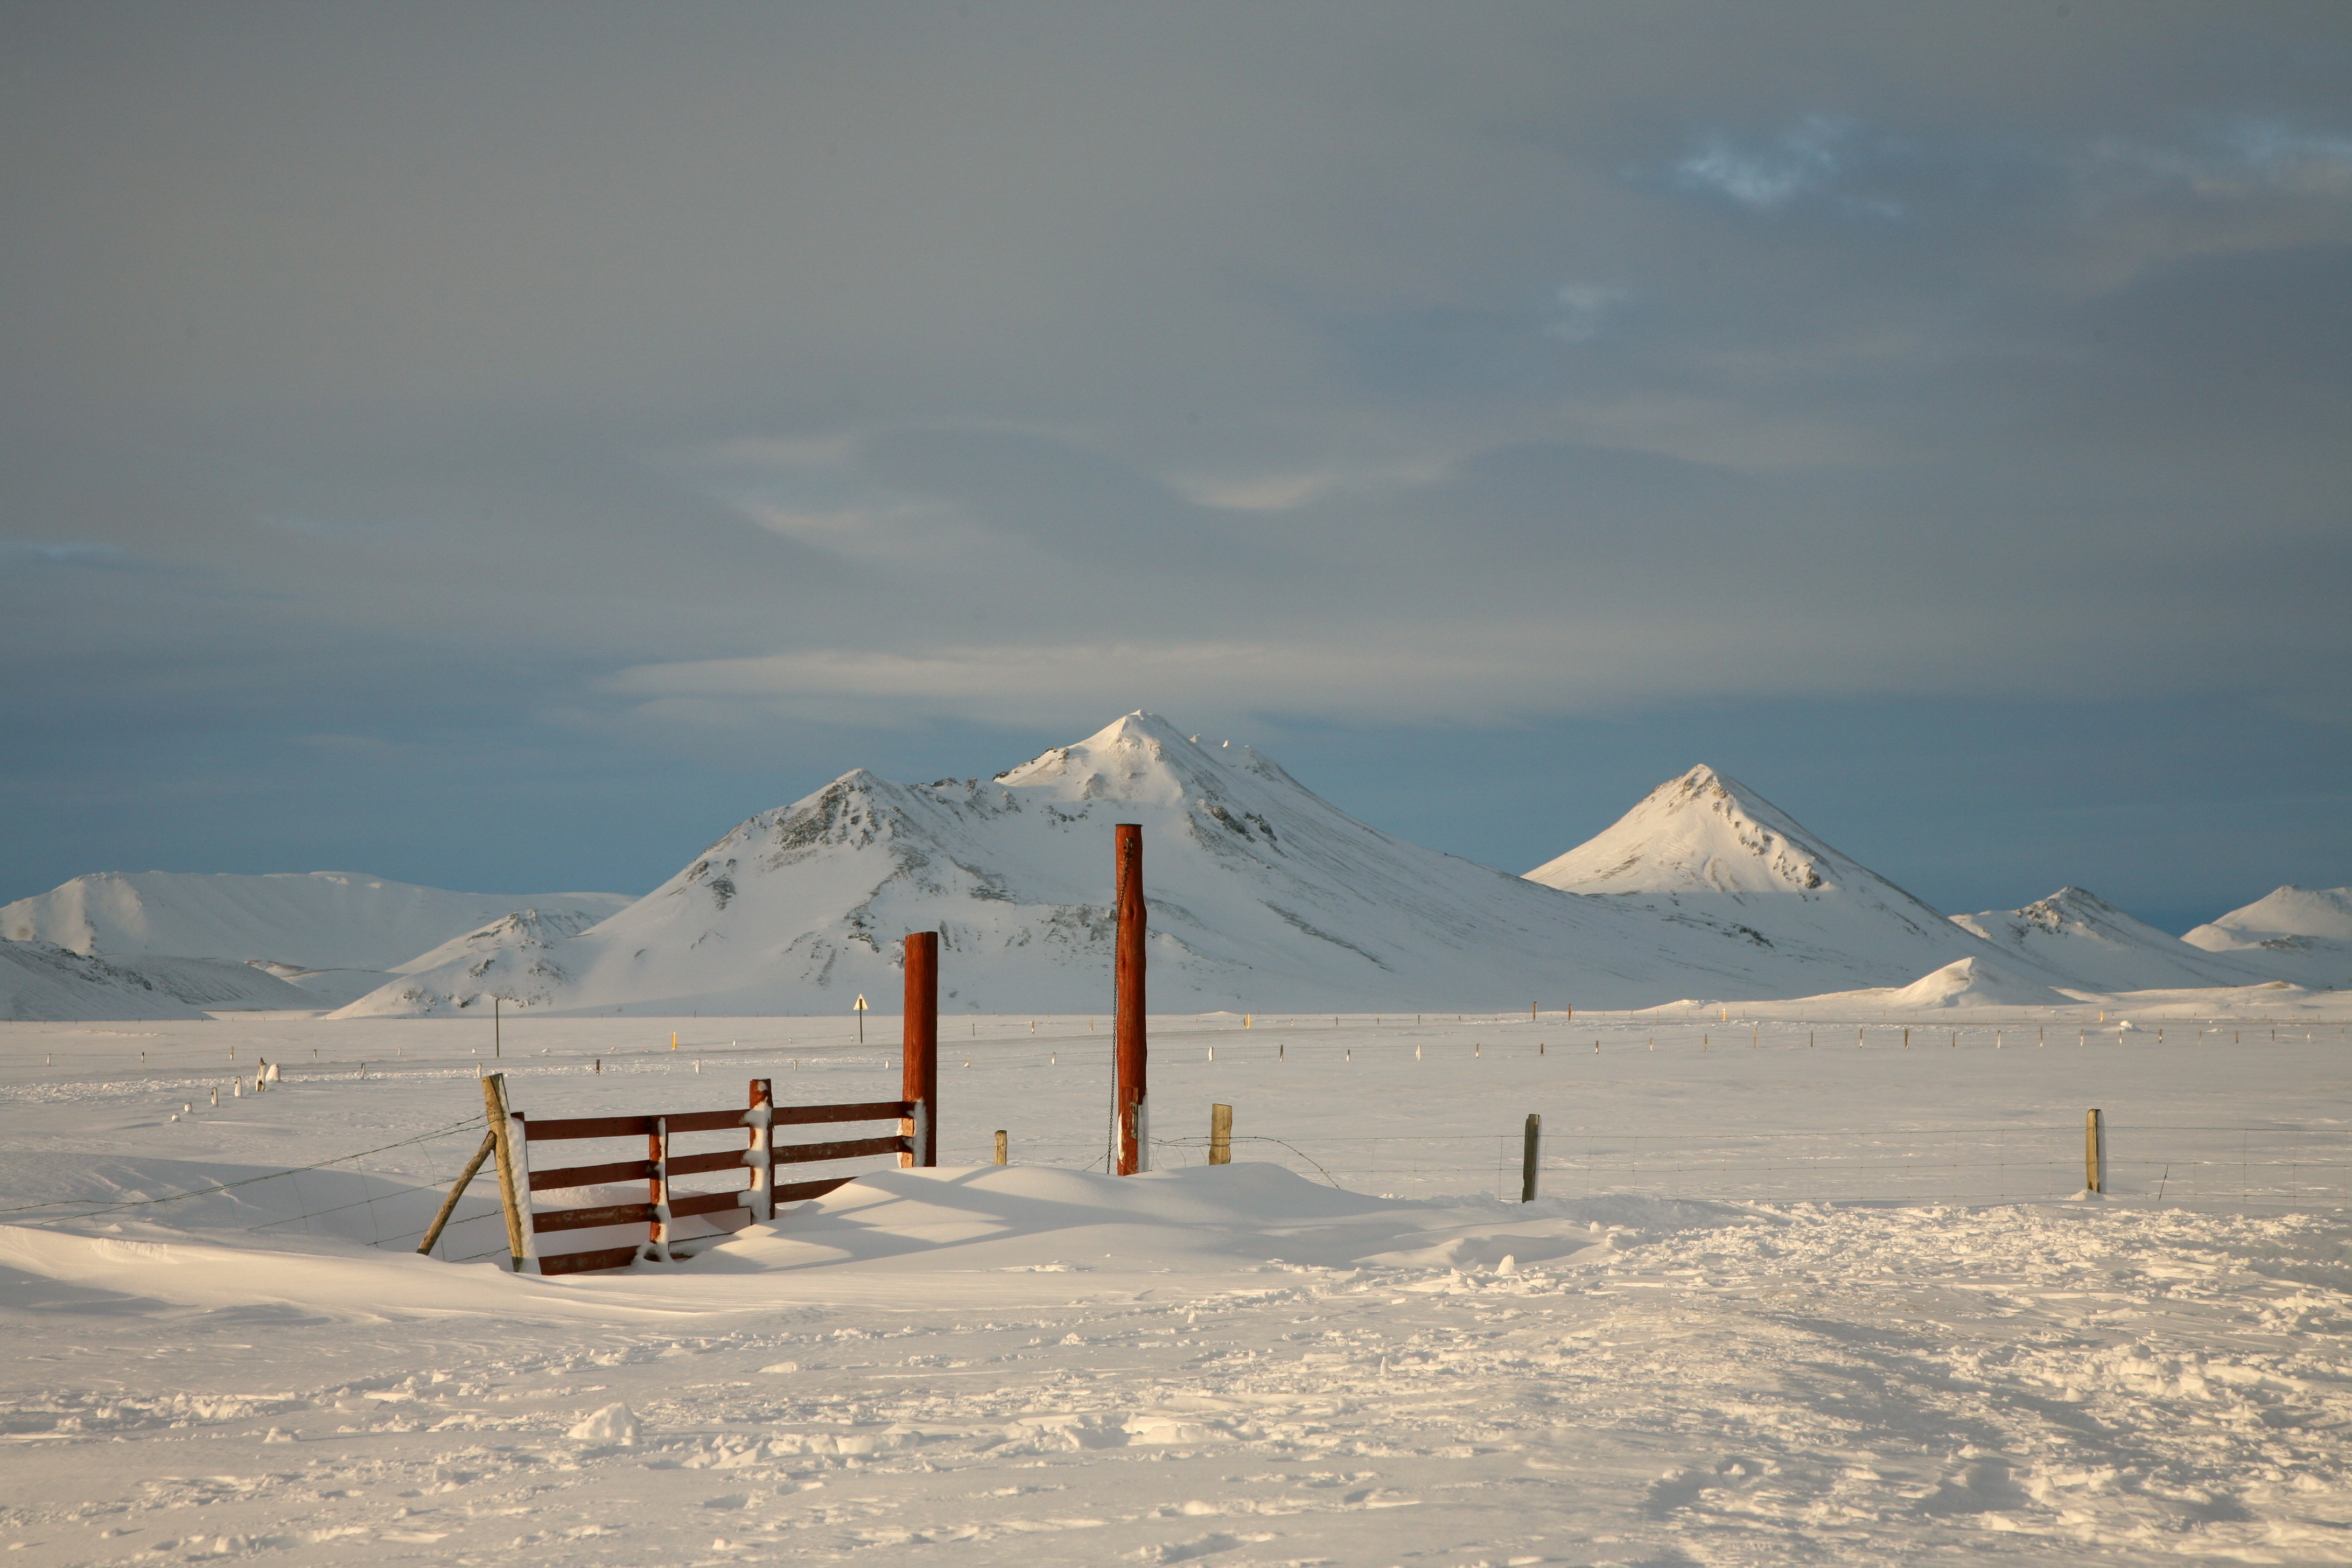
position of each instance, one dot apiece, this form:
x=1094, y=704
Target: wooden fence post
x=657, y=1182
x=759, y=1124
x=1000, y=1148
x=1220, y=1135
x=1527, y=1158
x=920, y=1050
x=514, y=1183
x=1132, y=1131
x=2094, y=1151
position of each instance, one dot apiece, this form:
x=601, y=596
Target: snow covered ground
x=1797, y=1291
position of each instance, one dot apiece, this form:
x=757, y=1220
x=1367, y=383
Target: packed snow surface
x=302, y=921
x=1788, y=1295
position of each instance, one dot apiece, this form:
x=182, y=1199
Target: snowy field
x=1795, y=1291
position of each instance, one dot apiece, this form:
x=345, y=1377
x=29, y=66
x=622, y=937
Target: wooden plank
x=704, y=1203
x=705, y=1121
x=581, y=1262
x=799, y=1192
x=702, y=1164
x=880, y=1110
x=847, y=1149
x=588, y=1219
x=591, y=1176
x=712, y=1120
x=591, y=1127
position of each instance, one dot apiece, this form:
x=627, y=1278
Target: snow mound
x=1974, y=982
x=614, y=1425
x=310, y=920
x=2302, y=935
x=2095, y=945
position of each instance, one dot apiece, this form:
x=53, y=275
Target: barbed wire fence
x=380, y=1208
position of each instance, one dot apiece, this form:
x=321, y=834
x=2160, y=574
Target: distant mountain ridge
x=1262, y=895
x=297, y=919
x=2098, y=947
x=41, y=980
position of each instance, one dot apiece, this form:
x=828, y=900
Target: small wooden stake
x=1220, y=1135
x=1527, y=1159
x=450, y=1204
x=2094, y=1151
x=1000, y=1150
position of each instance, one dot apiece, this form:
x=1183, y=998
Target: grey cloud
x=639, y=382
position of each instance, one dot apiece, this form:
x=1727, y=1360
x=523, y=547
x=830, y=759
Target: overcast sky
x=501, y=447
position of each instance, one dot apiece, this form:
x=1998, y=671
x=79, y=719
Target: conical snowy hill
x=1705, y=849
x=2302, y=934
x=1262, y=896
x=2101, y=948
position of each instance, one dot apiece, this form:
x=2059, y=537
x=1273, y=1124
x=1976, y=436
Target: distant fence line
x=2254, y=1167
x=2266, y=1169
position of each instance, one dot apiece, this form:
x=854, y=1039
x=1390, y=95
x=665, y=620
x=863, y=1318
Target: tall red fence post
x=1127, y=1007
x=921, y=1049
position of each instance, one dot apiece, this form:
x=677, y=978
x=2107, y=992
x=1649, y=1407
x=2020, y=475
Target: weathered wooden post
x=758, y=1124
x=450, y=1204
x=1220, y=1135
x=1001, y=1150
x=1527, y=1158
x=657, y=1190
x=920, y=1049
x=2094, y=1151
x=1133, y=1127
x=514, y=1173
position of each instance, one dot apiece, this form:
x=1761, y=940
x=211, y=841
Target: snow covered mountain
x=2302, y=934
x=2099, y=948
x=1262, y=896
x=1705, y=852
x=295, y=921
x=40, y=980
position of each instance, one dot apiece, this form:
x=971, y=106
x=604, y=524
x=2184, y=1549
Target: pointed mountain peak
x=2069, y=909
x=1703, y=832
x=2074, y=903
x=1140, y=757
